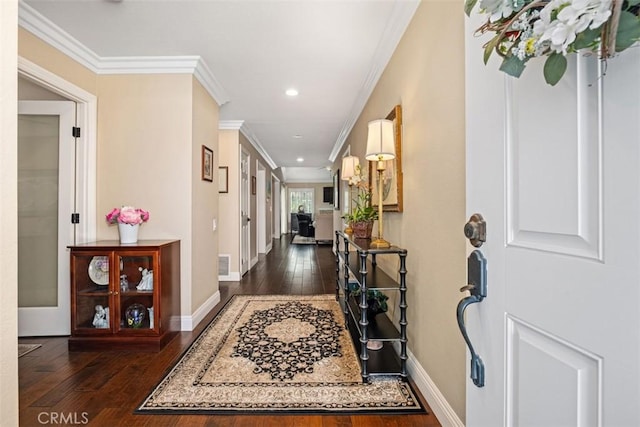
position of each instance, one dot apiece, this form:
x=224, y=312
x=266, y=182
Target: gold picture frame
x=392, y=177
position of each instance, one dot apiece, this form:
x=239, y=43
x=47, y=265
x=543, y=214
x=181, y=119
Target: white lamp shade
x=380, y=141
x=349, y=165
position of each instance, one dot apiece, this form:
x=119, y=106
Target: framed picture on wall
x=223, y=179
x=207, y=164
x=336, y=190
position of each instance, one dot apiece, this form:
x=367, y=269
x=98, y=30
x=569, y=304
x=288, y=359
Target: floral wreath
x=526, y=29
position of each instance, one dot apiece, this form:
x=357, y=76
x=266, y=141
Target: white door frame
x=261, y=211
x=86, y=119
x=277, y=223
x=245, y=209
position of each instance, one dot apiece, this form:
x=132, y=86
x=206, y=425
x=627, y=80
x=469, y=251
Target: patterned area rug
x=275, y=353
x=27, y=348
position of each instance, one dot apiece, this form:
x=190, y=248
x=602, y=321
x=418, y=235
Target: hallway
x=104, y=388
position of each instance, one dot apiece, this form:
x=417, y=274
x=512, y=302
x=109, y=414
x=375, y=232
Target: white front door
x=555, y=171
x=46, y=166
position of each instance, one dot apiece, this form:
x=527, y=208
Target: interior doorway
x=75, y=174
x=46, y=169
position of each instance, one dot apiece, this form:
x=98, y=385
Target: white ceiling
x=331, y=51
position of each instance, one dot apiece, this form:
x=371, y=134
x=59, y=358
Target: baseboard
x=253, y=262
x=233, y=276
x=188, y=323
x=439, y=405
x=268, y=248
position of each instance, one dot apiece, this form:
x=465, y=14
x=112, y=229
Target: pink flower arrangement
x=127, y=215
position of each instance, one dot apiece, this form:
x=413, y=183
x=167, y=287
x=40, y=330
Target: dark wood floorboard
x=104, y=388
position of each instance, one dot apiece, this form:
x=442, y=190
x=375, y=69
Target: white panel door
x=46, y=168
x=244, y=213
x=555, y=171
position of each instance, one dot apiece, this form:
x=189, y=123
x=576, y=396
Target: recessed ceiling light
x=291, y=92
x=297, y=136
x=299, y=160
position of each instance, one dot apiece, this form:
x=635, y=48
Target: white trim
x=230, y=124
x=401, y=15
x=268, y=248
x=188, y=323
x=436, y=400
x=253, y=262
x=253, y=140
x=32, y=21
x=87, y=116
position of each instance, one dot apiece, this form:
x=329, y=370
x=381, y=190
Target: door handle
x=477, y=286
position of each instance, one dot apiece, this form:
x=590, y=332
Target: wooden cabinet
x=358, y=273
x=124, y=296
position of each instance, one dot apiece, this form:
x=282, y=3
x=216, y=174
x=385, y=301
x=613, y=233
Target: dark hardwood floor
x=58, y=387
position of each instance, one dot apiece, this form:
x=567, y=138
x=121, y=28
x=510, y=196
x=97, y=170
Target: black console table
x=357, y=269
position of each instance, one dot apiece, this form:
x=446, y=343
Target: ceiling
x=248, y=54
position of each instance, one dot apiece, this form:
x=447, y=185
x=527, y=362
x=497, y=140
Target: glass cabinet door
x=92, y=292
x=135, y=295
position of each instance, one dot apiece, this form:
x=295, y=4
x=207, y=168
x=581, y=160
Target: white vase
x=128, y=233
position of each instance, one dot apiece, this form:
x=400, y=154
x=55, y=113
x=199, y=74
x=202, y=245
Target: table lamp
x=349, y=167
x=380, y=148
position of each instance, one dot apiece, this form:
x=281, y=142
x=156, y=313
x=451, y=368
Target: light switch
x=215, y=224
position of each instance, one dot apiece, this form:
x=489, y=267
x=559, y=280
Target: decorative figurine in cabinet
x=124, y=296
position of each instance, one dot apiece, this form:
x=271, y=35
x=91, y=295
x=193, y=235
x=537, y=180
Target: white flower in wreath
x=561, y=21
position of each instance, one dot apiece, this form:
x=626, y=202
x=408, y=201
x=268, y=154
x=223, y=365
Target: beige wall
x=145, y=158
x=426, y=76
x=150, y=130
x=204, y=264
x=8, y=214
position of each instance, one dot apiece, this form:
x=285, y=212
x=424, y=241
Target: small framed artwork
x=207, y=164
x=223, y=179
x=253, y=185
x=336, y=190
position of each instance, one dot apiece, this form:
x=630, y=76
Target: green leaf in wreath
x=468, y=6
x=513, y=66
x=554, y=68
x=628, y=31
x=587, y=38
x=489, y=47
x=632, y=3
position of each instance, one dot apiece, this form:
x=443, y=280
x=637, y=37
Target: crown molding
x=50, y=33
x=230, y=124
x=401, y=16
x=256, y=144
x=239, y=125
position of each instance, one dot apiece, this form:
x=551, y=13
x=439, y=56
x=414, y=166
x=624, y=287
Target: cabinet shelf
x=358, y=270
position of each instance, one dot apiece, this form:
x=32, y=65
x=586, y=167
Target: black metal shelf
x=358, y=269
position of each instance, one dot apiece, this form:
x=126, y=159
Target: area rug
x=301, y=240
x=276, y=354
x=27, y=348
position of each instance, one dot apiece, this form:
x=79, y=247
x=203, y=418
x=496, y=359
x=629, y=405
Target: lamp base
x=380, y=243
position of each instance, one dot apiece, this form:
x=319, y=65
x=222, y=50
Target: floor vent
x=224, y=265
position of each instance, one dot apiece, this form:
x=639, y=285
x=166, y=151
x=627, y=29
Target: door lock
x=476, y=230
